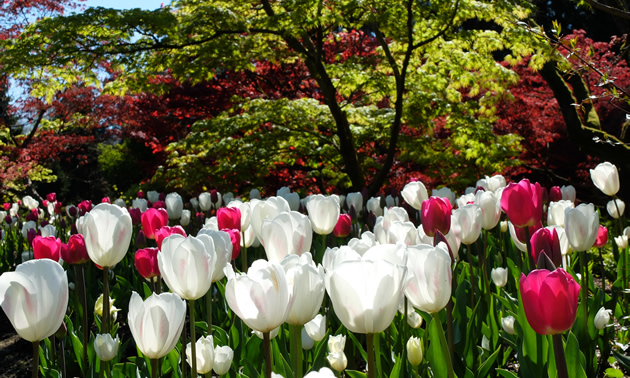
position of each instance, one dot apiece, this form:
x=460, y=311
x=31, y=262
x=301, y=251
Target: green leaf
x=355, y=374
x=437, y=360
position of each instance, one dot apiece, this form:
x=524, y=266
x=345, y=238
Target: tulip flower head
x=547, y=240
x=550, y=300
x=507, y=324
x=152, y=220
x=602, y=237
x=429, y=288
x=204, y=352
x=223, y=356
x=107, y=231
x=156, y=323
x=221, y=243
x=48, y=247
x=34, y=298
x=582, y=226
x=186, y=266
x=415, y=193
x=499, y=276
x=523, y=203
x=262, y=297
x=288, y=233
x=307, y=281
x=229, y=217
x=316, y=328
x=146, y=262
x=414, y=351
x=174, y=205
x=436, y=215
x=602, y=318
x=323, y=213
x=616, y=208
x=606, y=178
x=235, y=240
x=343, y=226
x=106, y=347
x=166, y=231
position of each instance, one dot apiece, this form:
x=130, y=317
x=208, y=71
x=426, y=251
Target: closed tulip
x=499, y=276
x=146, y=262
x=337, y=360
x=602, y=318
x=166, y=231
x=221, y=243
x=152, y=220
x=507, y=324
x=316, y=328
x=616, y=208
x=223, y=356
x=373, y=205
x=174, y=205
x=245, y=209
x=581, y=225
x=266, y=209
x=34, y=298
x=602, y=237
x=204, y=353
x=436, y=215
x=546, y=240
x=156, y=323
x=288, y=233
x=185, y=218
x=414, y=351
x=469, y=220
x=415, y=193
x=343, y=226
x=355, y=200
x=323, y=213
x=106, y=347
x=48, y=247
x=522, y=203
x=229, y=217
x=490, y=209
x=186, y=266
x=76, y=252
x=365, y=294
x=555, y=212
x=606, y=178
x=141, y=204
x=307, y=281
x=262, y=297
x=402, y=232
x=205, y=201
x=107, y=231
x=429, y=288
x=550, y=300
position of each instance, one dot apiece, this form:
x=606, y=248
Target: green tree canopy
x=426, y=66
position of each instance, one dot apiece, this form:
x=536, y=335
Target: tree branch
x=608, y=9
x=30, y=136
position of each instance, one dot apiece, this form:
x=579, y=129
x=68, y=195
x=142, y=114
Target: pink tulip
x=166, y=231
x=342, y=228
x=235, y=238
x=602, y=237
x=146, y=262
x=76, y=252
x=523, y=203
x=46, y=247
x=555, y=194
x=546, y=240
x=229, y=217
x=152, y=220
x=85, y=206
x=436, y=215
x=550, y=300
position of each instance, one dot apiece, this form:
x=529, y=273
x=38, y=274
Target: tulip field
x=509, y=279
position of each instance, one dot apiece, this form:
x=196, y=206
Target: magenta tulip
x=436, y=215
x=235, y=238
x=547, y=240
x=152, y=220
x=555, y=194
x=166, y=231
x=602, y=237
x=48, y=247
x=523, y=203
x=550, y=300
x=229, y=217
x=76, y=252
x=342, y=228
x=146, y=262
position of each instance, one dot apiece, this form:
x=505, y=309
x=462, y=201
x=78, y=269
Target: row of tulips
x=295, y=270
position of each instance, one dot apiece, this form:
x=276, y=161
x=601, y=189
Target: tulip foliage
x=382, y=298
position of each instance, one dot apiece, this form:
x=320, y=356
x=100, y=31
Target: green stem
x=405, y=335
x=183, y=351
x=244, y=256
x=371, y=369
x=158, y=284
x=471, y=278
x=267, y=348
x=105, y=317
x=377, y=352
x=154, y=367
x=63, y=358
x=209, y=310
x=530, y=258
x=602, y=269
x=80, y=273
x=486, y=286
x=561, y=362
x=296, y=338
x=445, y=352
x=35, y=359
x=584, y=290
x=193, y=338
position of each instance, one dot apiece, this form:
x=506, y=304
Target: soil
x=16, y=354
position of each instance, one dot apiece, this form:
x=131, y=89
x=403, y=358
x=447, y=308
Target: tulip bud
x=223, y=356
x=555, y=194
x=602, y=237
x=98, y=307
x=204, y=354
x=141, y=240
x=76, y=252
x=508, y=324
x=616, y=208
x=174, y=205
x=343, y=226
x=336, y=343
x=436, y=215
x=602, y=318
x=606, y=178
x=106, y=347
x=316, y=328
x=307, y=341
x=229, y=217
x=499, y=276
x=504, y=226
x=414, y=351
x=621, y=241
x=185, y=219
x=337, y=361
